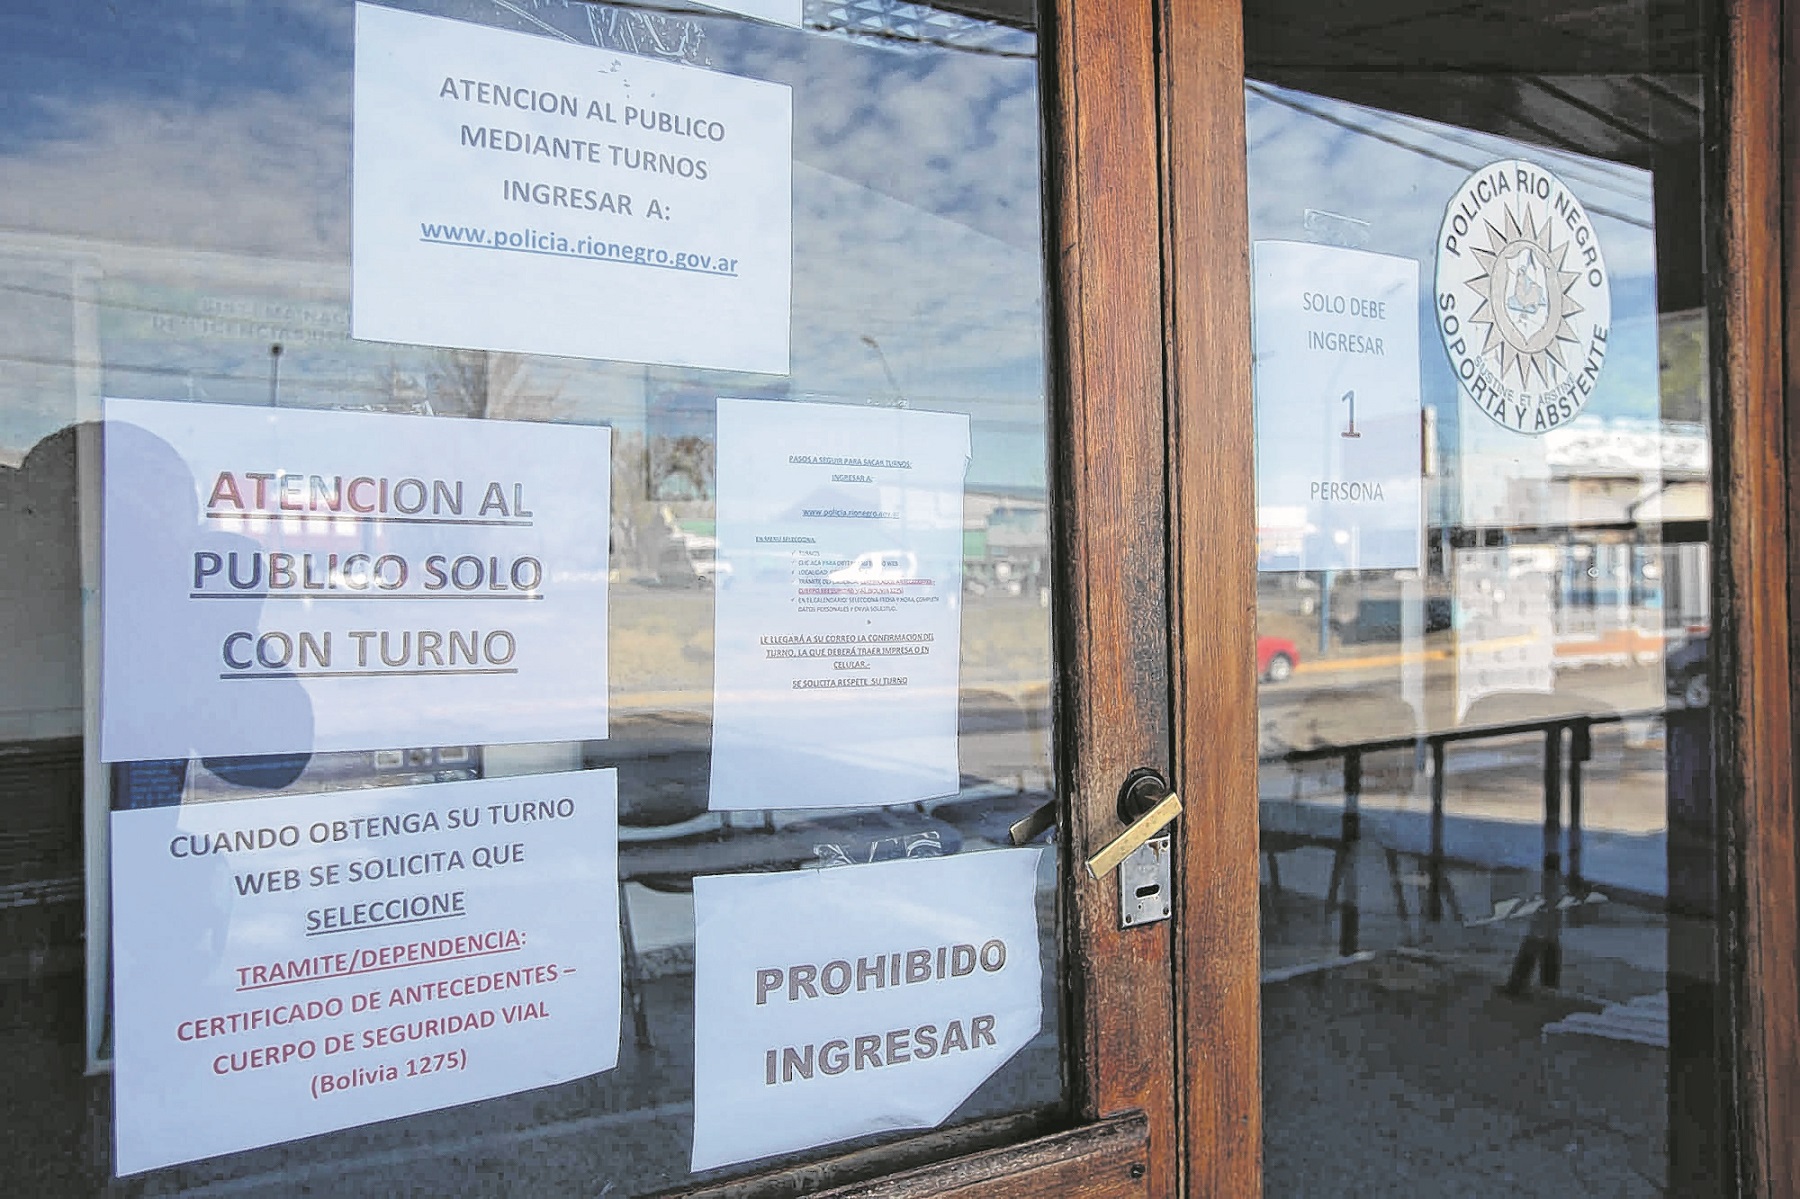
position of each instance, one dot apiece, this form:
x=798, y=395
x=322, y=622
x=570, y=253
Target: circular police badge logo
x=1523, y=302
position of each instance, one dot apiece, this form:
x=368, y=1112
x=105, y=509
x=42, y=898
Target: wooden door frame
x=1757, y=509
x=1154, y=463
x=1110, y=477
x=1755, y=113
x=1212, y=489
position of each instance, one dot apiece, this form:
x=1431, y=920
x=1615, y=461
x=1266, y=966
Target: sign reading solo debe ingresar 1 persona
x=1337, y=408
x=287, y=581
x=512, y=192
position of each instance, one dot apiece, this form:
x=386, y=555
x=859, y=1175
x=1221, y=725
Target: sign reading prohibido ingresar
x=286, y=581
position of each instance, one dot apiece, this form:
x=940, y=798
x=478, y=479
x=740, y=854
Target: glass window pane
x=190, y=221
x=1485, y=825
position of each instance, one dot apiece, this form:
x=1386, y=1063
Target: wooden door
x=1732, y=1059
x=183, y=309
x=1145, y=189
x=1158, y=1104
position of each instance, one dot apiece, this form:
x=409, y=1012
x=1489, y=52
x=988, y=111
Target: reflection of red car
x=1276, y=658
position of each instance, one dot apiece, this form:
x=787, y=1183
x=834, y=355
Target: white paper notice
x=838, y=618
x=511, y=192
x=289, y=966
x=858, y=999
x=279, y=581
x=1505, y=623
x=1337, y=408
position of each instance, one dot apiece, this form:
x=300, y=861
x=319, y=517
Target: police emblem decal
x=1524, y=305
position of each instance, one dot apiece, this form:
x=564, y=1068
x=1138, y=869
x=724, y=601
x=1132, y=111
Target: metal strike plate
x=1144, y=879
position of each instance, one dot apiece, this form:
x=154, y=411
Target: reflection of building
x=1005, y=538
x=1638, y=504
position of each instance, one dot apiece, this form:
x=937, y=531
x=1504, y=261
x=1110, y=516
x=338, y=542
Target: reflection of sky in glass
x=1397, y=173
x=187, y=156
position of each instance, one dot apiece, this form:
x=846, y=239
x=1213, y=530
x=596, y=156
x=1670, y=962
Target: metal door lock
x=1143, y=852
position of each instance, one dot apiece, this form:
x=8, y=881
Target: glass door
x=1491, y=309
x=583, y=597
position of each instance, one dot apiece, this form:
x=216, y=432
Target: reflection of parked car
x=1290, y=590
x=1684, y=671
x=1276, y=658
x=877, y=566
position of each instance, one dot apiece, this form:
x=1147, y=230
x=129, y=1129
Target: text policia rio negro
x=890, y=1047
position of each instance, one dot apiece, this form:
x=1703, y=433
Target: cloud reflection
x=210, y=164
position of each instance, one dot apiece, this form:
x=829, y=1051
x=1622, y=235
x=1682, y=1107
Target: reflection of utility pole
x=274, y=373
x=1325, y=578
x=882, y=359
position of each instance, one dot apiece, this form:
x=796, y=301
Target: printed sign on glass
x=512, y=192
x=855, y=999
x=280, y=580
x=292, y=965
x=1506, y=626
x=838, y=613
x=1337, y=408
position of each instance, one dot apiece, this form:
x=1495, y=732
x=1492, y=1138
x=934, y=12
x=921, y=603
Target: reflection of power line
x=180, y=372
x=1563, y=96
x=1461, y=163
x=1581, y=167
x=50, y=293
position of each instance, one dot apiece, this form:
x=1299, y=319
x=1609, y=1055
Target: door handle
x=1139, y=831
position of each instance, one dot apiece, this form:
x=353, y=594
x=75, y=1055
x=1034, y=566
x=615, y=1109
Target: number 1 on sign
x=1349, y=397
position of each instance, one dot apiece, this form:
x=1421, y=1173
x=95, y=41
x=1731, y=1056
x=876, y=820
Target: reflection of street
x=1366, y=697
x=1494, y=802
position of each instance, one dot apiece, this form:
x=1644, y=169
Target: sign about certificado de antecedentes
x=514, y=192
x=290, y=581
x=295, y=964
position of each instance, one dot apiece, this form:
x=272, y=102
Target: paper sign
x=279, y=580
x=857, y=999
x=511, y=192
x=289, y=966
x=838, y=618
x=1505, y=623
x=1337, y=408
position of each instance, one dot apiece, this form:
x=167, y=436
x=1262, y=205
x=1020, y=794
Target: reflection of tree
x=485, y=384
x=632, y=511
x=656, y=481
x=681, y=468
x=1682, y=341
